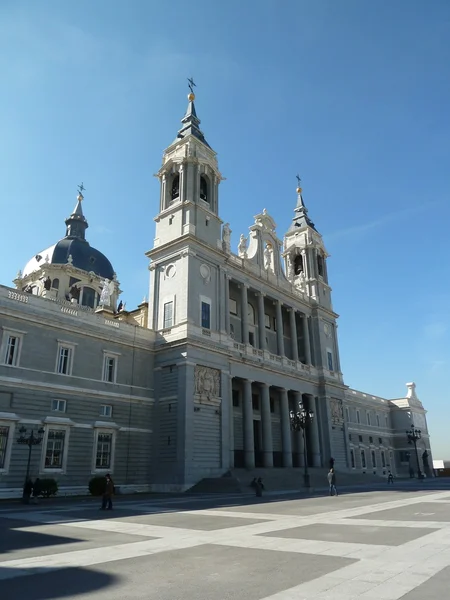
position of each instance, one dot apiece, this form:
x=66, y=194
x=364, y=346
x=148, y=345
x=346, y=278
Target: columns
x=306, y=340
x=261, y=322
x=227, y=304
x=266, y=418
x=231, y=422
x=280, y=340
x=249, y=442
x=285, y=429
x=316, y=459
x=294, y=340
x=244, y=313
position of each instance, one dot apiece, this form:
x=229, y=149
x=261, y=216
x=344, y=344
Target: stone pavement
x=381, y=545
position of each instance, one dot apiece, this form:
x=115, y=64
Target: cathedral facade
x=202, y=378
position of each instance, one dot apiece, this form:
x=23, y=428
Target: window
x=232, y=331
x=235, y=394
x=383, y=459
x=251, y=314
x=386, y=421
x=347, y=412
x=360, y=438
x=64, y=359
x=88, y=297
x=330, y=360
x=267, y=321
x=374, y=460
x=206, y=315
x=363, y=459
x=272, y=405
x=103, y=451
x=4, y=436
x=233, y=306
x=175, y=191
x=350, y=437
x=109, y=369
x=54, y=451
x=204, y=189
x=358, y=417
x=12, y=350
x=370, y=440
x=106, y=410
x=404, y=456
x=380, y=441
x=378, y=420
x=255, y=401
x=368, y=418
x=352, y=458
x=298, y=264
x=59, y=405
x=168, y=315
x=251, y=338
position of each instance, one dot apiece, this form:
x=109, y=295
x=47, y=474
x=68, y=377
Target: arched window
x=320, y=264
x=251, y=314
x=88, y=298
x=298, y=264
x=175, y=191
x=204, y=189
x=55, y=284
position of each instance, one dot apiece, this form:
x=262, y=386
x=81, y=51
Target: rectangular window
x=233, y=306
x=54, y=451
x=352, y=458
x=363, y=459
x=380, y=440
x=109, y=368
x=272, y=405
x=235, y=394
x=347, y=412
x=12, y=351
x=168, y=315
x=255, y=401
x=59, y=405
x=404, y=456
x=378, y=420
x=64, y=366
x=4, y=436
x=358, y=417
x=267, y=321
x=103, y=451
x=370, y=440
x=350, y=436
x=360, y=438
x=383, y=460
x=251, y=338
x=206, y=315
x=330, y=360
x=368, y=418
x=106, y=410
x=374, y=460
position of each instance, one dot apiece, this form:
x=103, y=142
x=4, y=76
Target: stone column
x=231, y=423
x=227, y=303
x=298, y=435
x=280, y=340
x=306, y=340
x=266, y=418
x=285, y=429
x=244, y=313
x=316, y=458
x=294, y=339
x=261, y=322
x=222, y=306
x=249, y=442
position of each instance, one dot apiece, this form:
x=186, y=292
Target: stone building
x=202, y=378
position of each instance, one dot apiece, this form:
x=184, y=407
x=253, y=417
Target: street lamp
x=300, y=420
x=29, y=440
x=413, y=435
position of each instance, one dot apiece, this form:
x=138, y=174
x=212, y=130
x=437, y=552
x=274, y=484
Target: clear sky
x=354, y=95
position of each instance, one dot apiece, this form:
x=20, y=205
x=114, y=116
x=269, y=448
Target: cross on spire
x=81, y=188
x=299, y=180
x=191, y=84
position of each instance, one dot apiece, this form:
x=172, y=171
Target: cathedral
x=205, y=378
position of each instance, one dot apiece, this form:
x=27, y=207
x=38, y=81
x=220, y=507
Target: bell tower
x=305, y=255
x=189, y=178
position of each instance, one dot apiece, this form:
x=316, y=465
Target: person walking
x=332, y=482
x=108, y=494
x=390, y=478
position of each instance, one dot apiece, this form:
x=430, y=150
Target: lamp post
x=300, y=420
x=29, y=440
x=413, y=435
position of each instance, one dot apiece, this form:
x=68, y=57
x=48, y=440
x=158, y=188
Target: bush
x=97, y=485
x=49, y=487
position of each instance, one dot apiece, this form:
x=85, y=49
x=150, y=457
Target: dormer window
x=298, y=264
x=204, y=189
x=175, y=192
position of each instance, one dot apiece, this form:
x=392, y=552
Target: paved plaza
x=379, y=545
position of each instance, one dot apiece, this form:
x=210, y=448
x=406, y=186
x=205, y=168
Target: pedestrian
x=108, y=493
x=260, y=482
x=332, y=482
x=390, y=478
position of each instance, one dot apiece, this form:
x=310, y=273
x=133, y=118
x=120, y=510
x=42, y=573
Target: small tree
x=97, y=485
x=49, y=487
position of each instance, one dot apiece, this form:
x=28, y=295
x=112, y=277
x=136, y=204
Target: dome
x=73, y=249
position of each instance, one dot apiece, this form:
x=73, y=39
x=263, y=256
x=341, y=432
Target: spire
x=190, y=120
x=76, y=224
x=301, y=218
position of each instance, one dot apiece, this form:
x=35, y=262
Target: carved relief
x=337, y=411
x=207, y=382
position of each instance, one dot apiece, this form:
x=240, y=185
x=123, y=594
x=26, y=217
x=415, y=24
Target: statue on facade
x=226, y=237
x=300, y=282
x=74, y=293
x=107, y=291
x=267, y=257
x=242, y=247
x=47, y=283
x=69, y=259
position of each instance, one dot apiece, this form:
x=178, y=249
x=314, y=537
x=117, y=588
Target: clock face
x=170, y=271
x=327, y=329
x=205, y=271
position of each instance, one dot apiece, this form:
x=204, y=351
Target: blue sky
x=353, y=95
